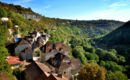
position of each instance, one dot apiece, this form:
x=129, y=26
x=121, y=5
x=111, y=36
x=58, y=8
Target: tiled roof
x=13, y=60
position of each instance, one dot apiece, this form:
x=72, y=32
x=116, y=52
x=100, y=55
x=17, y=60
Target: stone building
x=51, y=49
x=57, y=55
x=26, y=46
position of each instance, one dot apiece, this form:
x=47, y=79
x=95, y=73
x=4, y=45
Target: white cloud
x=118, y=4
x=112, y=14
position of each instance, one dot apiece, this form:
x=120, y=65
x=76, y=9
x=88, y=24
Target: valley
x=42, y=48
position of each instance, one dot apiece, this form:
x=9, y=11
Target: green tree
x=110, y=65
x=78, y=52
x=92, y=56
x=107, y=55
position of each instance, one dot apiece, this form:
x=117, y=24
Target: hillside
x=93, y=28
x=119, y=36
x=97, y=27
x=77, y=35
x=118, y=39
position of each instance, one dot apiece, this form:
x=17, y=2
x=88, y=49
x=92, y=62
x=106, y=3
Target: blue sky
x=79, y=9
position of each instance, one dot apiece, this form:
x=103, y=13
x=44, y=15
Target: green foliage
x=110, y=55
x=96, y=28
x=109, y=65
x=46, y=31
x=89, y=49
x=3, y=13
x=78, y=52
x=4, y=67
x=118, y=75
x=37, y=52
x=92, y=56
x=120, y=40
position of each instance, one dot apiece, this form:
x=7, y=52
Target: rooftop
x=14, y=60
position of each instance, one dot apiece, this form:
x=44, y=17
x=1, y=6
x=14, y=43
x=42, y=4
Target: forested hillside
x=77, y=35
x=118, y=39
x=119, y=36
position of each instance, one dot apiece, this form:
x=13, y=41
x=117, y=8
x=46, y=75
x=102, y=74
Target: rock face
x=31, y=16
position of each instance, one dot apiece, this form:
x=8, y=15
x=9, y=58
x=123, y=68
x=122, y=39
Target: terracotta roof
x=13, y=60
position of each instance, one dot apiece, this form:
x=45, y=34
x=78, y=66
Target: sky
x=79, y=9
